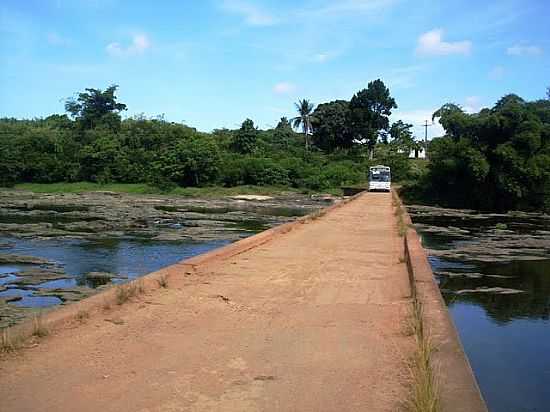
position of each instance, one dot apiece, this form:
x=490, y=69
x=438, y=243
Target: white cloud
x=518, y=50
x=251, y=13
x=432, y=43
x=496, y=73
x=284, y=88
x=140, y=43
x=417, y=119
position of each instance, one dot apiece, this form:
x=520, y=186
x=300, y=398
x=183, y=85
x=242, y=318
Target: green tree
x=245, y=138
x=369, y=112
x=283, y=132
x=305, y=109
x=193, y=161
x=402, y=136
x=330, y=126
x=96, y=107
x=494, y=159
x=10, y=166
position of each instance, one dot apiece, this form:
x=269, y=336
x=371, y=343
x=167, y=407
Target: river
x=494, y=273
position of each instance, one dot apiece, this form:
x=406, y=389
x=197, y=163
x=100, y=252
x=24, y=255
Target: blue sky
x=213, y=63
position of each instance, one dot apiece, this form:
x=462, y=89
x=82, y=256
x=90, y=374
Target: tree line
x=496, y=159
x=92, y=142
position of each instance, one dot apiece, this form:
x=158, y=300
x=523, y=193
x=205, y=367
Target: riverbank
x=145, y=189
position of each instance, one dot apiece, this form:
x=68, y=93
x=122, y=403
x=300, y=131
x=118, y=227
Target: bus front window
x=380, y=177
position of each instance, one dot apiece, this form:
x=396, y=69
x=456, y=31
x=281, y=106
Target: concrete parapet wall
x=458, y=387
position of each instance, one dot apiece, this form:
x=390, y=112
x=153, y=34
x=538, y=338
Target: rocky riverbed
x=60, y=248
x=482, y=237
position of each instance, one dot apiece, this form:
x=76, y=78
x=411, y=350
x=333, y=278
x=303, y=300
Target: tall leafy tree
x=245, y=138
x=369, y=112
x=498, y=158
x=283, y=131
x=330, y=126
x=191, y=161
x=96, y=107
x=402, y=136
x=305, y=109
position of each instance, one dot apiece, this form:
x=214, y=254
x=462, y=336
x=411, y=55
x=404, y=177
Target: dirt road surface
x=313, y=320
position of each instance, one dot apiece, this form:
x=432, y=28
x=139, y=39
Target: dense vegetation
x=497, y=159
x=93, y=143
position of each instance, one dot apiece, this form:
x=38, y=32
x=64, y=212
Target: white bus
x=379, y=178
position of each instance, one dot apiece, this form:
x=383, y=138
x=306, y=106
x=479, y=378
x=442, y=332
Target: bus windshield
x=380, y=176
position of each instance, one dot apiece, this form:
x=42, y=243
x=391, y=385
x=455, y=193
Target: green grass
x=143, y=188
x=78, y=187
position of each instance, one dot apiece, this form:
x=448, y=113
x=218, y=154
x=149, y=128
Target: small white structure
x=418, y=153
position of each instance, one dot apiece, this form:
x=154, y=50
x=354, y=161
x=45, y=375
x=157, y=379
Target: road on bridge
x=313, y=320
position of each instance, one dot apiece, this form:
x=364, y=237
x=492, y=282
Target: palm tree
x=305, y=109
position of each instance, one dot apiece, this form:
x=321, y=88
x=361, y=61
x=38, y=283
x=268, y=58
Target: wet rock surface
x=105, y=215
x=60, y=248
x=498, y=261
x=482, y=237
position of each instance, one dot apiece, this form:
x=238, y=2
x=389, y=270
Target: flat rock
x=259, y=198
x=8, y=258
x=495, y=290
x=100, y=275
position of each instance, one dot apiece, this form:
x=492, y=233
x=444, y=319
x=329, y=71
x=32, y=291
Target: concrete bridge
x=310, y=316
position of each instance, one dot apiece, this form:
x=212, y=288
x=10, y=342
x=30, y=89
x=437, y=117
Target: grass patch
x=145, y=189
x=162, y=281
x=399, y=213
x=125, y=292
x=425, y=390
x=38, y=328
x=8, y=343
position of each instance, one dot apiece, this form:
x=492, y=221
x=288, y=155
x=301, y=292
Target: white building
x=419, y=153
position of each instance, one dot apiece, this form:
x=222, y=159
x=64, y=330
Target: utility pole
x=426, y=125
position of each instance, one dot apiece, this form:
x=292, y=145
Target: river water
x=494, y=274
x=130, y=258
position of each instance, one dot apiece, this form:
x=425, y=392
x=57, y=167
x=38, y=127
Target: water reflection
x=531, y=277
x=120, y=256
x=77, y=258
x=505, y=335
